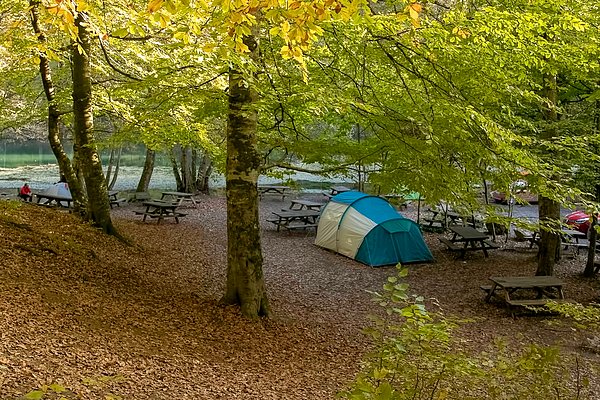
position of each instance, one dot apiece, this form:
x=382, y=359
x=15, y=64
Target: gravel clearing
x=142, y=321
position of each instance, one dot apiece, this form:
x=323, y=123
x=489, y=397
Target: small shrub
x=417, y=357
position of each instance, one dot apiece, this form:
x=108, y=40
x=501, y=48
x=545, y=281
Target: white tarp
x=328, y=225
x=59, y=189
x=352, y=231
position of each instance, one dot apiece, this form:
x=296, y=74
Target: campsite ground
x=142, y=321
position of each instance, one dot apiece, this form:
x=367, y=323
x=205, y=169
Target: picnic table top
x=113, y=192
x=160, y=204
x=340, y=189
x=574, y=233
x=526, y=281
x=52, y=196
x=467, y=232
x=309, y=203
x=296, y=213
x=274, y=187
x=178, y=194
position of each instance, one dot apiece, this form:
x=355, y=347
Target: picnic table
x=570, y=238
x=305, y=204
x=273, y=189
x=113, y=200
x=160, y=210
x=336, y=190
x=470, y=238
x=442, y=218
x=52, y=199
x=179, y=197
x=295, y=219
x=544, y=287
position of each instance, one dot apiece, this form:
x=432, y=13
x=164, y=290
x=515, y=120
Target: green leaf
x=34, y=395
x=57, y=388
x=120, y=33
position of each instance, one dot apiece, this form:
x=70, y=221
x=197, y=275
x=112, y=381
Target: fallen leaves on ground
x=105, y=319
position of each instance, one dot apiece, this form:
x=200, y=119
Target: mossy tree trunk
x=187, y=170
x=54, y=115
x=203, y=174
x=83, y=124
x=592, y=234
x=146, y=171
x=245, y=281
x=175, y=166
x=549, y=209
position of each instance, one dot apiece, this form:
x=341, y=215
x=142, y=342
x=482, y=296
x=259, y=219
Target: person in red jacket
x=25, y=193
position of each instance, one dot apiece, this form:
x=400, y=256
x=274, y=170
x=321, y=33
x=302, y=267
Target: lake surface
x=42, y=176
x=33, y=162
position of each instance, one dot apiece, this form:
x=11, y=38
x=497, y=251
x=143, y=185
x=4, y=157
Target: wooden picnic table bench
x=295, y=219
x=160, y=210
x=334, y=190
x=466, y=238
x=273, y=189
x=570, y=239
x=179, y=197
x=305, y=204
x=51, y=199
x=113, y=200
x=546, y=288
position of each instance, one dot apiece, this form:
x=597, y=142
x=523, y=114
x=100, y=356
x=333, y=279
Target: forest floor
x=142, y=320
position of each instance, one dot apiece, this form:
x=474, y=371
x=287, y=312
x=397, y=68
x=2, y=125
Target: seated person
x=25, y=193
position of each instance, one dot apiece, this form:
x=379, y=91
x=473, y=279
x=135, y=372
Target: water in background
x=33, y=162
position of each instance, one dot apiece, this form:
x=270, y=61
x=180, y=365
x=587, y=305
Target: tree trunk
x=113, y=181
x=83, y=123
x=245, y=281
x=549, y=210
x=54, y=134
x=175, y=166
x=591, y=256
x=549, y=248
x=186, y=170
x=111, y=161
x=147, y=171
x=194, y=167
x=593, y=235
x=203, y=175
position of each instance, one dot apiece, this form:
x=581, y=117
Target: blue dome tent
x=368, y=229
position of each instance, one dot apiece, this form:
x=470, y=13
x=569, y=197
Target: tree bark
x=83, y=123
x=549, y=210
x=175, y=166
x=147, y=171
x=549, y=213
x=592, y=234
x=186, y=170
x=113, y=181
x=111, y=161
x=203, y=175
x=54, y=115
x=245, y=281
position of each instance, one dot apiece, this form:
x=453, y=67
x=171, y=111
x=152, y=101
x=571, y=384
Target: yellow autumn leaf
x=164, y=21
x=286, y=53
x=241, y=47
x=208, y=47
x=417, y=7
x=413, y=14
x=235, y=17
x=155, y=5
